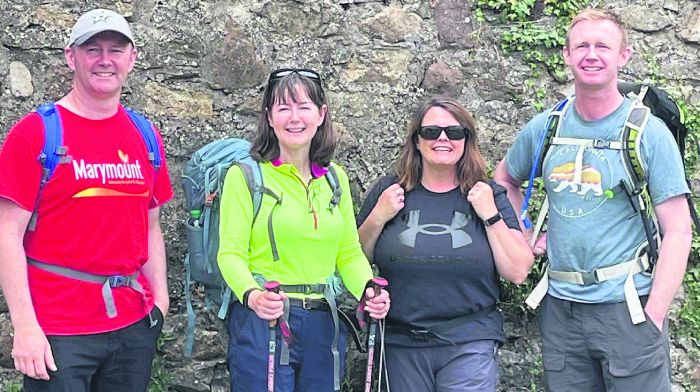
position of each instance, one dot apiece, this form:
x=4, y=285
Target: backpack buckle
x=119, y=281
x=601, y=143
x=589, y=278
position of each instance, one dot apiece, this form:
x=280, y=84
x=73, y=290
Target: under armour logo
x=459, y=237
x=100, y=17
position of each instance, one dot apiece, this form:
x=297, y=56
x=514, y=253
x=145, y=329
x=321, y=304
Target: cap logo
x=101, y=17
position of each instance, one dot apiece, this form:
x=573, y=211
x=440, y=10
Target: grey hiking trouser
x=465, y=367
x=597, y=348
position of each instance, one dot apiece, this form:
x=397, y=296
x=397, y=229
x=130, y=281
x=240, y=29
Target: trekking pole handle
x=377, y=284
x=272, y=286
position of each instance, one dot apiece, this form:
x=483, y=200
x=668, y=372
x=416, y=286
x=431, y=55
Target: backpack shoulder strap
x=53, y=149
x=631, y=137
x=551, y=131
x=254, y=183
x=52, y=153
x=545, y=142
x=149, y=135
x=256, y=186
x=332, y=178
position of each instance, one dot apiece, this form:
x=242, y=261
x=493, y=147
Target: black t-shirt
x=437, y=259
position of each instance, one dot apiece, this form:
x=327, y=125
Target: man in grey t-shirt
x=608, y=332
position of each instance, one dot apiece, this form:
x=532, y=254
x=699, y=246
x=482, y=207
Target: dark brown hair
x=470, y=167
x=265, y=144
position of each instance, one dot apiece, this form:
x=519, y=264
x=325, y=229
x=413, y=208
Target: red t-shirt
x=92, y=217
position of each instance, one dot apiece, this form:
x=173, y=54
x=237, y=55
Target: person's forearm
x=14, y=283
x=511, y=253
x=155, y=269
x=369, y=233
x=668, y=275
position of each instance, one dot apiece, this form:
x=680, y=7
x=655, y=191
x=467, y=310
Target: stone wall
x=203, y=64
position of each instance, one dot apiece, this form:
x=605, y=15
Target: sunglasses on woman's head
x=453, y=132
x=282, y=72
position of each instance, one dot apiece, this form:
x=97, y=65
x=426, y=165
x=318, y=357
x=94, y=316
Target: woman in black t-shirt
x=441, y=233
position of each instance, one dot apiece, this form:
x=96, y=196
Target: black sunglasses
x=282, y=72
x=453, y=132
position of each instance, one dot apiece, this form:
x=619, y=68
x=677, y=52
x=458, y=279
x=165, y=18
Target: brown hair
x=470, y=167
x=595, y=14
x=265, y=146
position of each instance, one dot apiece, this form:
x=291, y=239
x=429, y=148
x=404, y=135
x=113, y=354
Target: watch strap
x=490, y=221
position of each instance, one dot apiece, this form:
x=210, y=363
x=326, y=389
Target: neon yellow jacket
x=311, y=239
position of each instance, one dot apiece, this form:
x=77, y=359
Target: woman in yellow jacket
x=303, y=233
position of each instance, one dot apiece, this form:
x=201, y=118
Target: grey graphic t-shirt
x=588, y=229
x=437, y=259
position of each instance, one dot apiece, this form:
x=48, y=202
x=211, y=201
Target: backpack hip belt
x=108, y=282
x=639, y=264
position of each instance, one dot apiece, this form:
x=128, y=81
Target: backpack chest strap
x=582, y=145
x=595, y=143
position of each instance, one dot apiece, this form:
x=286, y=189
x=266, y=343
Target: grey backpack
x=203, y=183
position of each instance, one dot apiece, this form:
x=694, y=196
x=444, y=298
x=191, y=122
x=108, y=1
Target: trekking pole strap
x=284, y=351
x=107, y=282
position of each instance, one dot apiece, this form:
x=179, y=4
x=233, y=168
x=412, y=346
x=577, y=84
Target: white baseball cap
x=97, y=21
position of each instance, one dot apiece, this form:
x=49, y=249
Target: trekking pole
x=377, y=285
x=273, y=286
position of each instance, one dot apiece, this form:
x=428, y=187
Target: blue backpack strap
x=50, y=155
x=538, y=160
x=149, y=136
x=52, y=152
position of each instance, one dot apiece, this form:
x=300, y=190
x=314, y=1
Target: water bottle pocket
x=195, y=247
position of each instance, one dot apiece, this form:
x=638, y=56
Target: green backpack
x=647, y=100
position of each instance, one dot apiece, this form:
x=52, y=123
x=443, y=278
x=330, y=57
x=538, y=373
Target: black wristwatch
x=493, y=219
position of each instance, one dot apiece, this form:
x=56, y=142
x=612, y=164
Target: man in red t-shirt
x=86, y=283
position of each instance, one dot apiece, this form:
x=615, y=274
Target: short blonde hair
x=595, y=14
